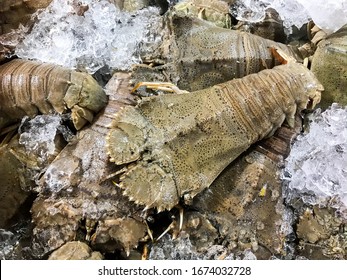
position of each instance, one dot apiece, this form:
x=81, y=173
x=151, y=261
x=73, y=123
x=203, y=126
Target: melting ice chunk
x=291, y=12
x=249, y=10
x=100, y=35
x=317, y=163
x=39, y=137
x=329, y=15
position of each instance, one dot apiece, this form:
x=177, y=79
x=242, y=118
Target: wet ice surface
x=12, y=246
x=181, y=248
x=7, y=241
x=317, y=165
x=39, y=135
x=102, y=36
x=329, y=15
x=174, y=249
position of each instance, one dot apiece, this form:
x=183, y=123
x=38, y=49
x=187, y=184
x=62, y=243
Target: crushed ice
x=100, y=36
x=104, y=36
x=174, y=249
x=316, y=169
x=181, y=248
x=7, y=243
x=329, y=15
x=38, y=136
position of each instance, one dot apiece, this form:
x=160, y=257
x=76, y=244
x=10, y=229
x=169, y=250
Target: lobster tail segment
x=126, y=140
x=150, y=180
x=150, y=184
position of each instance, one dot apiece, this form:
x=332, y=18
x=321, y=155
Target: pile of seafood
x=180, y=157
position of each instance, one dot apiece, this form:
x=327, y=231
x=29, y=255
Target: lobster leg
x=163, y=86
